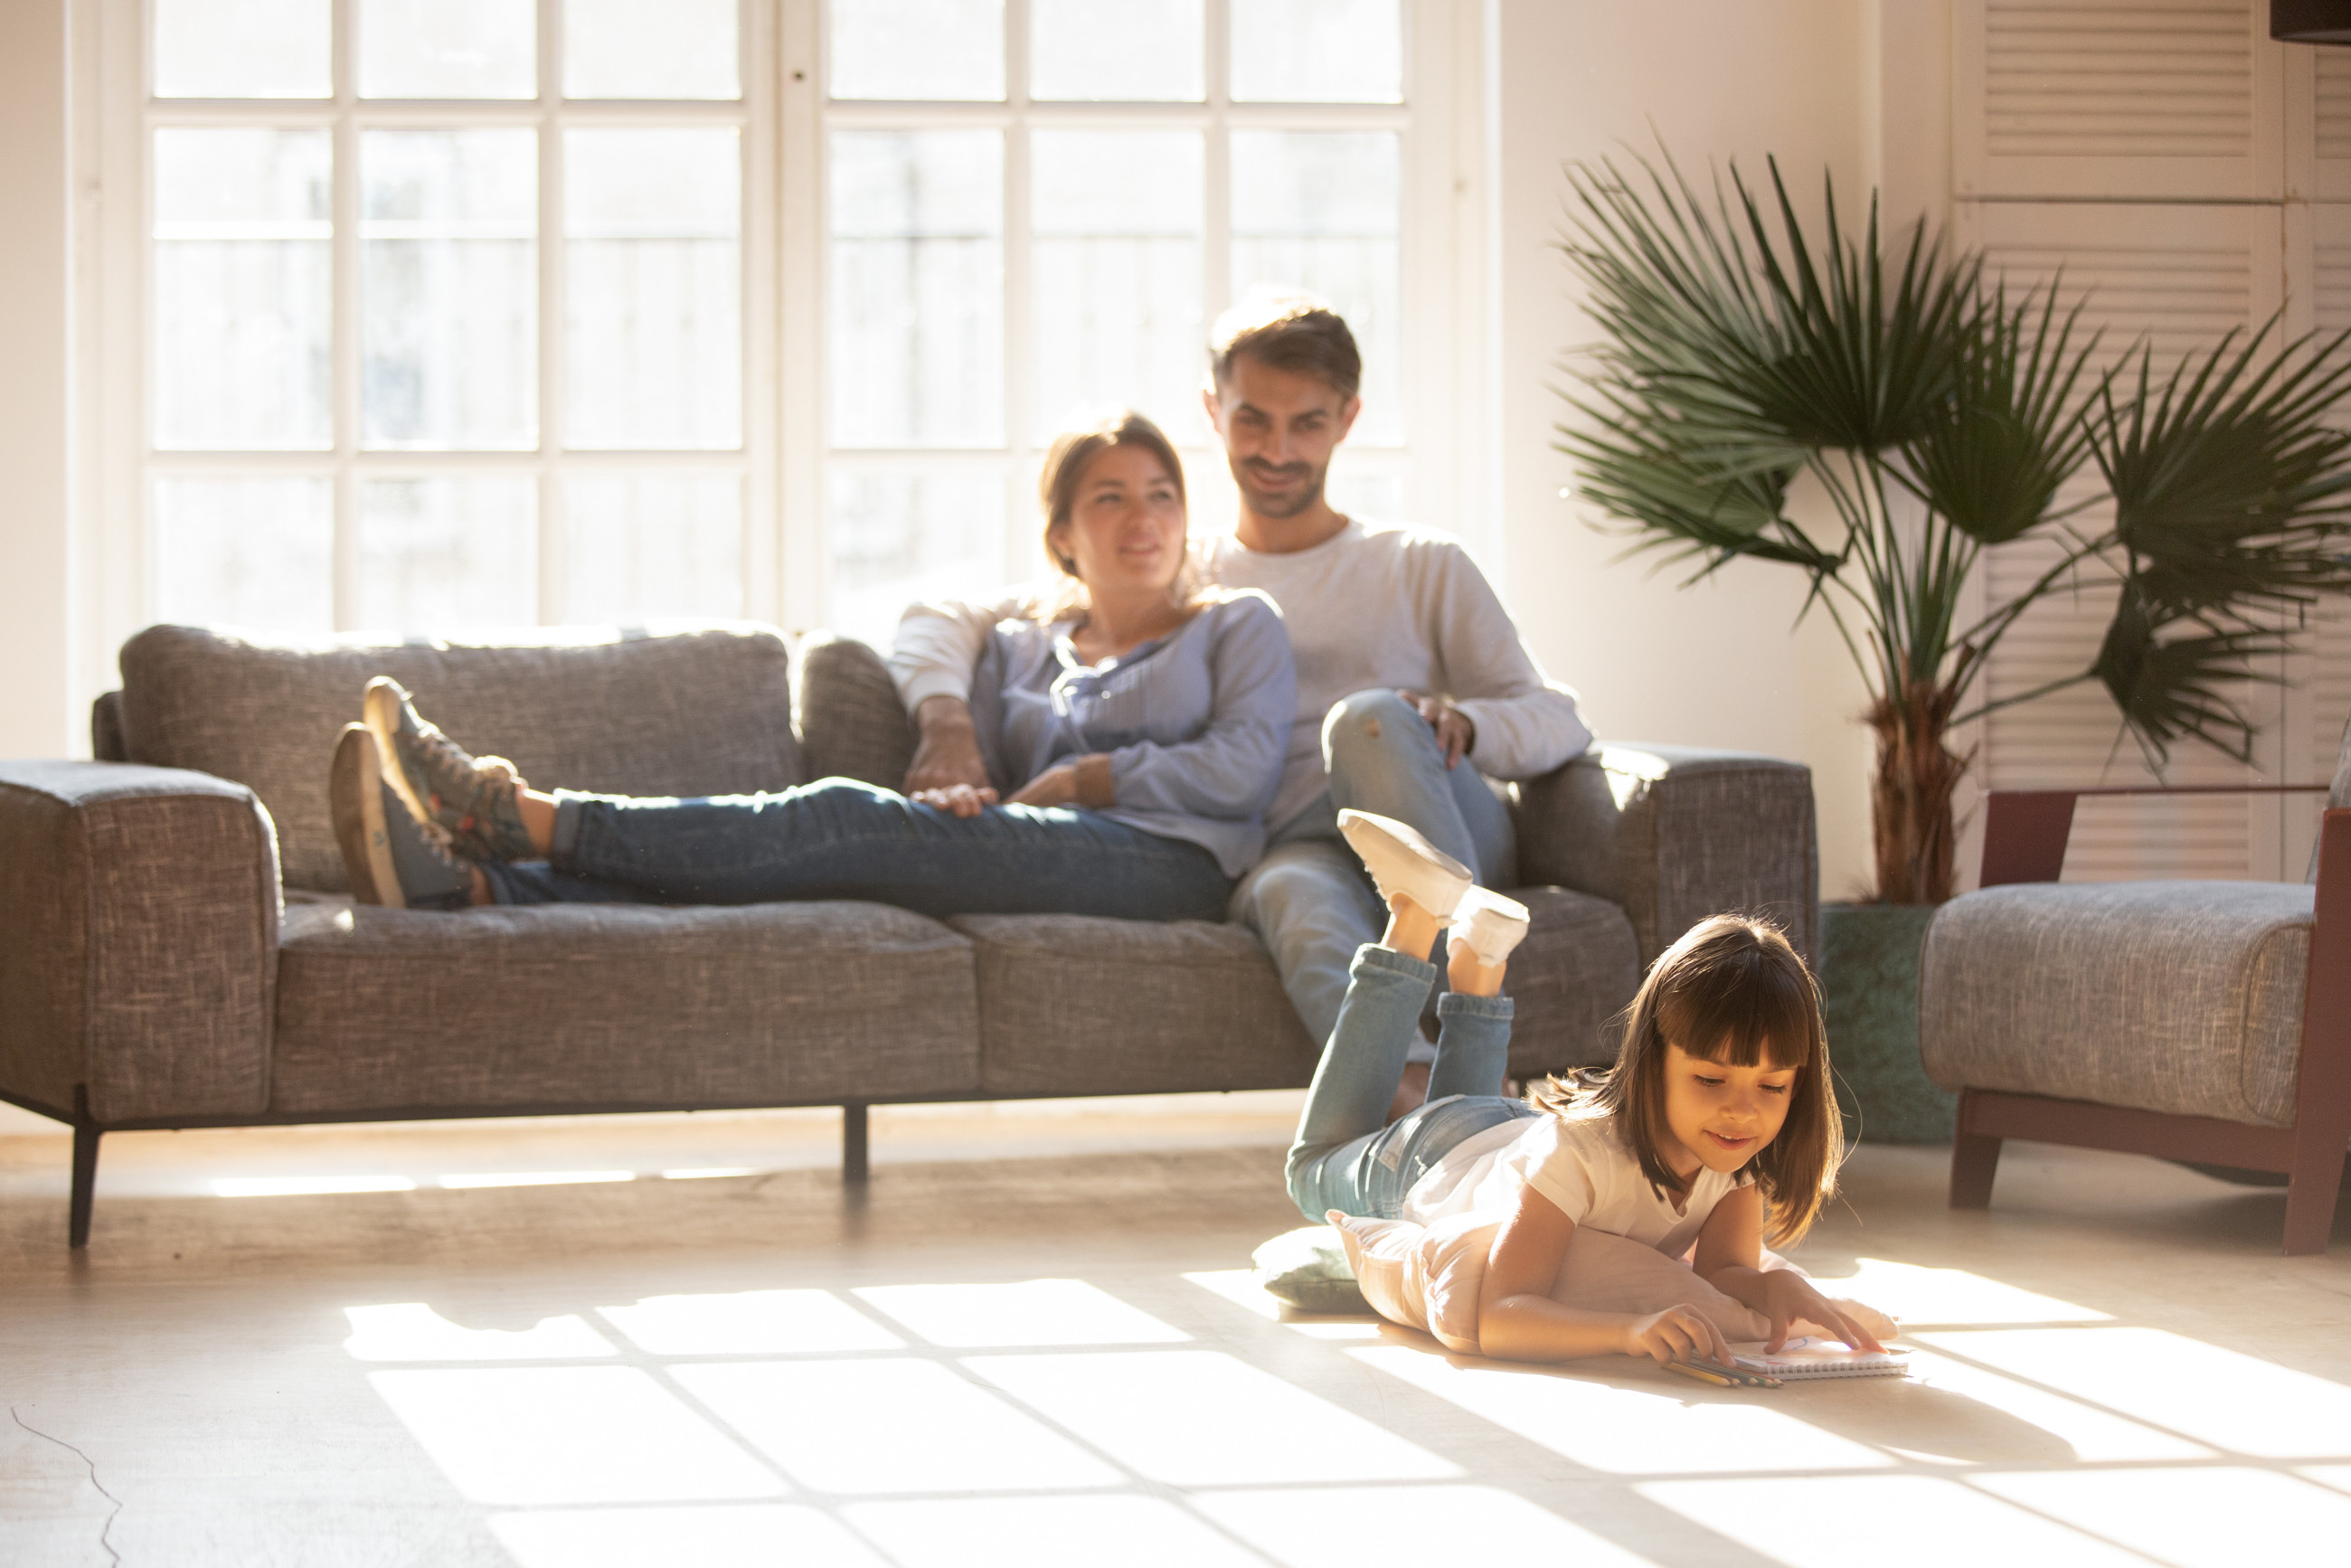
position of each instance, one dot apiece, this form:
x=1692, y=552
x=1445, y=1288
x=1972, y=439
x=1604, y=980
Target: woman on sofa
x=1134, y=729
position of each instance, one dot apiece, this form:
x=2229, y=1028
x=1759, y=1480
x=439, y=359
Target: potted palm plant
x=1936, y=415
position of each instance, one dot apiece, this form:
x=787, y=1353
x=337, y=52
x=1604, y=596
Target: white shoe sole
x=1401, y=861
x=1492, y=925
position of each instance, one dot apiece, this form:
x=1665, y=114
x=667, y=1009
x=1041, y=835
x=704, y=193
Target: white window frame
x=1449, y=466
x=115, y=34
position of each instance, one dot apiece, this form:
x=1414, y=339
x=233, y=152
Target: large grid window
x=447, y=306
x=462, y=314
x=1035, y=208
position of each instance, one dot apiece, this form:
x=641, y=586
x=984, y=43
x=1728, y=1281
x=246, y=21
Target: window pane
x=626, y=49
x=448, y=48
x=1116, y=215
x=917, y=49
x=244, y=48
x=1376, y=497
x=244, y=289
x=640, y=548
x=893, y=538
x=449, y=288
x=439, y=555
x=1318, y=51
x=245, y=552
x=1321, y=211
x=914, y=316
x=652, y=289
x=1129, y=50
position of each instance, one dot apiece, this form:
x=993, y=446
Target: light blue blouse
x=1195, y=723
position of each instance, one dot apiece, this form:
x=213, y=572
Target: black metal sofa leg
x=85, y=1172
x=854, y=1166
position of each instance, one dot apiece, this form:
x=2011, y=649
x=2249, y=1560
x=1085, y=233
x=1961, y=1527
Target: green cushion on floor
x=1308, y=1269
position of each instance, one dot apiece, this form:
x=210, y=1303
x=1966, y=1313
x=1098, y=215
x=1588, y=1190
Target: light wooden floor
x=1034, y=1342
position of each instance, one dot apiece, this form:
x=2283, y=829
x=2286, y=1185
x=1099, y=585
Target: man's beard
x=1283, y=509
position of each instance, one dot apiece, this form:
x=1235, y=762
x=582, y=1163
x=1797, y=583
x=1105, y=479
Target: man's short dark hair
x=1294, y=333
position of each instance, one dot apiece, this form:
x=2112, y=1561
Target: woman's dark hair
x=1733, y=991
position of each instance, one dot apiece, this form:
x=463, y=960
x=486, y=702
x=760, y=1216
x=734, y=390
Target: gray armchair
x=2202, y=1021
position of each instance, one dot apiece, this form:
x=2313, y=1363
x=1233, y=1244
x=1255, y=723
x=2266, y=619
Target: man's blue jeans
x=1342, y=1158
x=1309, y=900
x=839, y=838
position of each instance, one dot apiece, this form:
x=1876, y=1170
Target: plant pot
x=1869, y=998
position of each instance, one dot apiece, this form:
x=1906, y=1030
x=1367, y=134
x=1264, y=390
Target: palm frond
x=2168, y=687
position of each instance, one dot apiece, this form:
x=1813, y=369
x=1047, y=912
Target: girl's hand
x=961, y=799
x=1677, y=1333
x=1057, y=786
x=1788, y=1296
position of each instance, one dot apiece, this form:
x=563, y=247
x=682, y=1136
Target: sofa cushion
x=1075, y=1004
x=2166, y=996
x=1576, y=970
x=609, y=1006
x=697, y=711
x=851, y=724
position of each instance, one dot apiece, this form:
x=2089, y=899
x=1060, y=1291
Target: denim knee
x=1377, y=717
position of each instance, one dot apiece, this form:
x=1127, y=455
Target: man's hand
x=1455, y=734
x=948, y=753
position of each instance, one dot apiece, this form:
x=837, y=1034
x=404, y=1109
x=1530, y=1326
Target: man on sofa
x=1409, y=666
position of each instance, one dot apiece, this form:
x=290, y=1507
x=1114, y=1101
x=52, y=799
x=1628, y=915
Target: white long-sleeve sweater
x=1376, y=605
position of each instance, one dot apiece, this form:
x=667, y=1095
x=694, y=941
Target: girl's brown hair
x=1072, y=452
x=1733, y=991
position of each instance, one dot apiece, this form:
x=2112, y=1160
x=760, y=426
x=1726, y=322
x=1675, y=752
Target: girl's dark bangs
x=1741, y=1020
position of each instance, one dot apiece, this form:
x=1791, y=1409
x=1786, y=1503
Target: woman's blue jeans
x=839, y=837
x=1344, y=1158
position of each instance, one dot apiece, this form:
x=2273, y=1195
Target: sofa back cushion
x=702, y=709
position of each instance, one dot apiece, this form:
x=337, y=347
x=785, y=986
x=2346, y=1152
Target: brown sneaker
x=390, y=859
x=468, y=803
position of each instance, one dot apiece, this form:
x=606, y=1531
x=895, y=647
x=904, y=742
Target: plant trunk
x=1911, y=796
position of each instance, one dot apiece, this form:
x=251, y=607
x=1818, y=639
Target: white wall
x=35, y=382
x=1716, y=664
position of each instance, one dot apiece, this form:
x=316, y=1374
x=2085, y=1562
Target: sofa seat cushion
x=2183, y=997
x=584, y=1007
x=700, y=710
x=1576, y=970
x=1074, y=1004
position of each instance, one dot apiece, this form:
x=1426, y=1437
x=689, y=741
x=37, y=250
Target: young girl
x=1716, y=1123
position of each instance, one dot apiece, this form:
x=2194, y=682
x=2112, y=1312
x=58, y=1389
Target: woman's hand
x=1788, y=1295
x=1056, y=785
x=1677, y=1333
x=948, y=754
x=961, y=799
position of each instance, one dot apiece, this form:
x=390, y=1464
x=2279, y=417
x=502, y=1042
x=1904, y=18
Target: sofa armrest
x=851, y=722
x=1674, y=833
x=139, y=911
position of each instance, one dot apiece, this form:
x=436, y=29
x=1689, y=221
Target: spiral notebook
x=1812, y=1357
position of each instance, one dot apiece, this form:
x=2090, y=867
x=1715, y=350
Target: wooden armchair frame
x=2024, y=840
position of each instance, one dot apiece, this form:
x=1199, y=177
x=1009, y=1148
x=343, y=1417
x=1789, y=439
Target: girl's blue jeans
x=839, y=838
x=1347, y=1155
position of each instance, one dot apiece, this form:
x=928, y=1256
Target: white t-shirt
x=1376, y=605
x=1581, y=1166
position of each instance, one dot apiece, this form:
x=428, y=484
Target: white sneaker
x=1401, y=861
x=1490, y=924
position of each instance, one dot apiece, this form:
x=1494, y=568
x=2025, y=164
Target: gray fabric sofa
x=179, y=950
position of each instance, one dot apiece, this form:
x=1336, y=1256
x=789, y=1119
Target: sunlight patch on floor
x=1921, y=1296
x=2088, y=1433
x=1032, y=1312
x=523, y=1435
x=411, y=1330
x=1353, y=1527
x=889, y=1425
x=1628, y=1431
x=2200, y=1391
x=306, y=1186
x=1871, y=1521
x=749, y=1322
x=704, y=1537
x=1239, y=1287
x=1203, y=1418
x=1046, y=1532
x=533, y=1179
x=2206, y=1518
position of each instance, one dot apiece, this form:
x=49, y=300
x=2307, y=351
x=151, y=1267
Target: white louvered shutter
x=2183, y=275
x=2102, y=99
